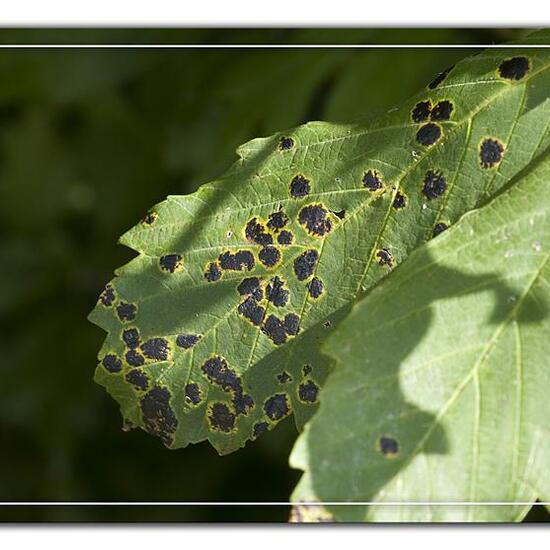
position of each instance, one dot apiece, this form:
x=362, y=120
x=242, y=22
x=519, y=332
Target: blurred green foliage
x=89, y=140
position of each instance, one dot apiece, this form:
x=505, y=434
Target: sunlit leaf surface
x=441, y=390
x=214, y=328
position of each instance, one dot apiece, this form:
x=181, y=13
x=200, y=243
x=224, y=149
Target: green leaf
x=441, y=391
x=358, y=199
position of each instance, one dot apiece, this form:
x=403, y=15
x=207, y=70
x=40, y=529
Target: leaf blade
x=450, y=371
x=355, y=231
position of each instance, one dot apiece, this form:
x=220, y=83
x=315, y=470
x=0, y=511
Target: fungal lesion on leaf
x=315, y=288
x=149, y=218
x=372, y=180
x=126, y=312
x=286, y=143
x=315, y=220
x=171, y=262
x=435, y=184
x=384, y=257
x=130, y=337
x=212, y=272
x=421, y=111
x=308, y=392
x=138, y=379
x=259, y=429
x=270, y=256
x=429, y=134
x=252, y=311
x=158, y=415
x=255, y=231
x=277, y=407
x=491, y=151
x=439, y=228
x=108, y=296
x=442, y=110
x=134, y=358
x=112, y=363
x=285, y=237
x=221, y=418
x=300, y=187
x=514, y=68
x=187, y=340
x=193, y=394
x=388, y=446
x=284, y=377
x=242, y=259
x=157, y=349
x=277, y=220
x=399, y=201
x=276, y=293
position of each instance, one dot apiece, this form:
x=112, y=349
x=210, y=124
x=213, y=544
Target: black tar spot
x=156, y=348
x=238, y=261
x=112, y=363
x=213, y=272
x=292, y=323
x=304, y=265
x=149, y=218
x=306, y=369
x=314, y=218
x=255, y=232
x=131, y=338
x=388, y=446
x=286, y=143
x=187, y=341
x=421, y=111
x=442, y=110
x=170, y=262
x=260, y=428
x=134, y=358
x=269, y=256
x=126, y=312
x=276, y=293
x=428, y=134
x=138, y=379
x=193, y=393
x=276, y=407
x=514, y=69
x=242, y=403
x=221, y=418
x=315, y=287
x=439, y=228
x=285, y=237
x=308, y=391
x=400, y=201
x=277, y=220
x=107, y=297
x=439, y=78
x=274, y=329
x=158, y=416
x=490, y=153
x=434, y=184
x=252, y=311
x=384, y=257
x=372, y=180
x=251, y=287
x=218, y=372
x=299, y=187
x=284, y=377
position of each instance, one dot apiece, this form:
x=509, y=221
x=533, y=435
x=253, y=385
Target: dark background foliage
x=89, y=140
